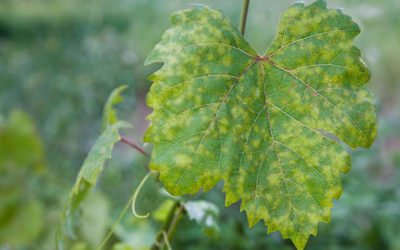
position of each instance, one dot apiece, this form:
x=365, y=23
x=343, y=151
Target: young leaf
x=222, y=112
x=100, y=152
x=109, y=113
x=92, y=166
x=87, y=176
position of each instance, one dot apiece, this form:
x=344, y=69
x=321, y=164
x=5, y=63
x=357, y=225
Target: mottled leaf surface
x=223, y=112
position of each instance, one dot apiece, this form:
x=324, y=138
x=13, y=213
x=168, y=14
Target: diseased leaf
x=109, y=113
x=222, y=112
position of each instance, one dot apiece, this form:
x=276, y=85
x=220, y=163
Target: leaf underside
x=223, y=112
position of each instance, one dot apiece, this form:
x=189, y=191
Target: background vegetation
x=60, y=59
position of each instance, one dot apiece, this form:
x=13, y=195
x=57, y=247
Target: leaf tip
x=300, y=241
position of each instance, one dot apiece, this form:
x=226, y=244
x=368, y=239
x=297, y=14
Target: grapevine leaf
x=222, y=112
x=87, y=176
x=109, y=113
x=66, y=227
x=100, y=152
x=92, y=166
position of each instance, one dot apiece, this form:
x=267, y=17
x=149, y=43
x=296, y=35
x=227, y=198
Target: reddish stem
x=133, y=145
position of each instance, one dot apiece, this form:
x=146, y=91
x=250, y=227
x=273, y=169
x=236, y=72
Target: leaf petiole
x=133, y=145
x=243, y=18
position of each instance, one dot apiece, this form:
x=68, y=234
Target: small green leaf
x=223, y=112
x=109, y=113
x=92, y=166
x=87, y=176
x=100, y=152
x=65, y=234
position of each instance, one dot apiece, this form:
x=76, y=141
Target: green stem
x=117, y=222
x=174, y=223
x=169, y=225
x=243, y=18
x=135, y=195
x=132, y=200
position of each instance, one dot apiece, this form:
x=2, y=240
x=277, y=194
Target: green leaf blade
x=87, y=177
x=224, y=113
x=90, y=170
x=314, y=51
x=109, y=112
x=100, y=152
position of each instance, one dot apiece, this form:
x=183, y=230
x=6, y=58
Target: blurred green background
x=59, y=60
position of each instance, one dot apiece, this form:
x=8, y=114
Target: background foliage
x=59, y=60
